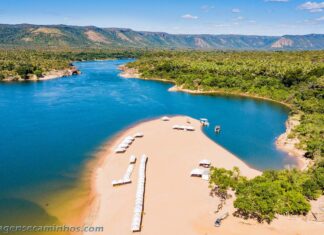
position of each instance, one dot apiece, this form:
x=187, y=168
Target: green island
x=293, y=78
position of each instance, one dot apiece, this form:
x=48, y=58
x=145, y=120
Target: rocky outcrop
x=282, y=43
x=200, y=43
x=96, y=37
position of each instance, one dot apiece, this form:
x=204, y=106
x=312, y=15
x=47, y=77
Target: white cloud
x=312, y=6
x=189, y=17
x=236, y=10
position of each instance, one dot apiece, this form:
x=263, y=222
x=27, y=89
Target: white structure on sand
x=126, y=179
x=138, y=135
x=122, y=147
x=198, y=172
x=165, y=118
x=132, y=159
x=205, y=163
x=139, y=201
x=180, y=127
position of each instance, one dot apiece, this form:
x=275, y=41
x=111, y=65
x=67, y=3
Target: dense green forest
x=21, y=64
x=295, y=78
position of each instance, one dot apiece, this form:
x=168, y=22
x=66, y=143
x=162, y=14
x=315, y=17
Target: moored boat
x=217, y=129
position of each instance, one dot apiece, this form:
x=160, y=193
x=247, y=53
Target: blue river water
x=50, y=129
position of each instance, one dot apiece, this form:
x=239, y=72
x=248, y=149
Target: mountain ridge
x=57, y=36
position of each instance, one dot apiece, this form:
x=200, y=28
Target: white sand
x=175, y=203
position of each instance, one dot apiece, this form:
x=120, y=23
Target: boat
x=217, y=129
x=204, y=121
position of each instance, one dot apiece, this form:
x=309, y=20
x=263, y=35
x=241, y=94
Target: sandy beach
x=288, y=145
x=174, y=202
x=128, y=72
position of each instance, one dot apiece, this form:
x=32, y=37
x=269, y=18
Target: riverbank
x=59, y=74
x=174, y=202
x=53, y=74
x=134, y=73
x=283, y=142
x=128, y=72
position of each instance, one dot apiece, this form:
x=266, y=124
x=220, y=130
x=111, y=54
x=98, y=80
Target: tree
x=25, y=70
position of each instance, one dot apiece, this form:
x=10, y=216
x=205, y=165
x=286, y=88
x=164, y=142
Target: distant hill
x=58, y=36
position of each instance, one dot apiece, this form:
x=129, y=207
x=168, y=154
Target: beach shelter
x=120, y=150
x=123, y=145
x=205, y=175
x=196, y=172
x=205, y=163
x=127, y=141
x=165, y=118
x=189, y=128
x=175, y=127
x=132, y=159
x=138, y=135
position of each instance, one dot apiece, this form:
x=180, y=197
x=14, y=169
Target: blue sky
x=256, y=17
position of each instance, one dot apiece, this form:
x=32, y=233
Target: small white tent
x=205, y=163
x=138, y=135
x=165, y=118
x=196, y=172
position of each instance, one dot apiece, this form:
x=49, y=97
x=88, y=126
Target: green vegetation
x=16, y=64
x=284, y=192
x=295, y=78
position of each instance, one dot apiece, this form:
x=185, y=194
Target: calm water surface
x=48, y=130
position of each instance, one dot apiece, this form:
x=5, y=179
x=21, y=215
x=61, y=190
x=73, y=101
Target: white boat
x=217, y=129
x=204, y=121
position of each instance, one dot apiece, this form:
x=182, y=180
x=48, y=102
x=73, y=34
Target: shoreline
x=105, y=162
x=50, y=75
x=283, y=142
x=112, y=207
x=94, y=165
x=286, y=144
x=54, y=74
x=133, y=73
